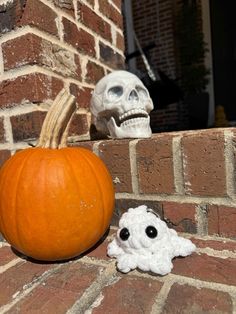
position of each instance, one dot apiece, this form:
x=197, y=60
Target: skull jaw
x=135, y=130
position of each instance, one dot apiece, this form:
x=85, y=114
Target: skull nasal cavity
x=133, y=96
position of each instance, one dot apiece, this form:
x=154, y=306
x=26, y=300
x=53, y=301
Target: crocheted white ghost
x=144, y=241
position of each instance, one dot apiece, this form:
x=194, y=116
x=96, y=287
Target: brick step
x=202, y=282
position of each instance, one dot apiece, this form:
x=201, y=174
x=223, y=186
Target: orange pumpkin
x=55, y=203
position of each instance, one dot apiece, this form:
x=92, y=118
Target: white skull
x=121, y=104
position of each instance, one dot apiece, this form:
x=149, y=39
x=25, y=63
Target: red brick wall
x=187, y=177
x=153, y=22
x=44, y=46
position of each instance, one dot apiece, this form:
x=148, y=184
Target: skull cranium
x=121, y=104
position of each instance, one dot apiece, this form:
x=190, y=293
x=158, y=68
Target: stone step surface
x=204, y=282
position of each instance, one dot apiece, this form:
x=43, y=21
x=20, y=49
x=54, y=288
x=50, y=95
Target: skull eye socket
x=142, y=92
x=115, y=92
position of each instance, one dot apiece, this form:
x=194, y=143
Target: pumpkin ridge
x=4, y=183
x=29, y=156
x=15, y=196
x=71, y=167
x=83, y=154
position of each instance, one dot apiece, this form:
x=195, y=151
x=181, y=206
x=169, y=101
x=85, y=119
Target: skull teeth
x=133, y=121
x=133, y=114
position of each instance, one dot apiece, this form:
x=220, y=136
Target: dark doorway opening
x=223, y=33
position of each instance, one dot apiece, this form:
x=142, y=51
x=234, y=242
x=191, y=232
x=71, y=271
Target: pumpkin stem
x=56, y=123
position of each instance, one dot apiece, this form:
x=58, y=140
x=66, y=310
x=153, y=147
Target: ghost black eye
x=124, y=234
x=151, y=232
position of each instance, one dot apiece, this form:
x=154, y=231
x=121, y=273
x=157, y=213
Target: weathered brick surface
x=22, y=50
x=82, y=94
x=78, y=38
x=65, y=5
x=14, y=279
x=2, y=131
x=118, y=3
x=215, y=244
x=222, y=221
x=78, y=125
x=59, y=292
x=87, y=145
x=204, y=165
x=91, y=2
x=99, y=250
x=180, y=216
x=129, y=295
x=94, y=72
x=30, y=49
x=110, y=57
x=115, y=154
x=42, y=87
x=187, y=299
x=6, y=255
x=10, y=13
x=120, y=41
x=155, y=166
x=27, y=126
x=207, y=268
x=89, y=18
x=39, y=15
x=4, y=155
x=109, y=11
x=122, y=293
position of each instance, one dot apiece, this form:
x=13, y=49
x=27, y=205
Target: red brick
x=94, y=72
x=155, y=165
x=204, y=163
x=15, y=278
x=37, y=14
x=207, y=268
x=115, y=154
x=99, y=251
x=31, y=49
x=10, y=12
x=111, y=13
x=78, y=38
x=60, y=291
x=82, y=94
x=2, y=131
x=22, y=50
x=27, y=126
x=188, y=299
x=77, y=71
x=4, y=155
x=110, y=57
x=65, y=5
x=88, y=145
x=129, y=295
x=6, y=255
x=218, y=245
x=90, y=19
x=180, y=216
x=118, y=3
x=120, y=41
x=222, y=221
x=42, y=87
x=79, y=125
x=91, y=2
